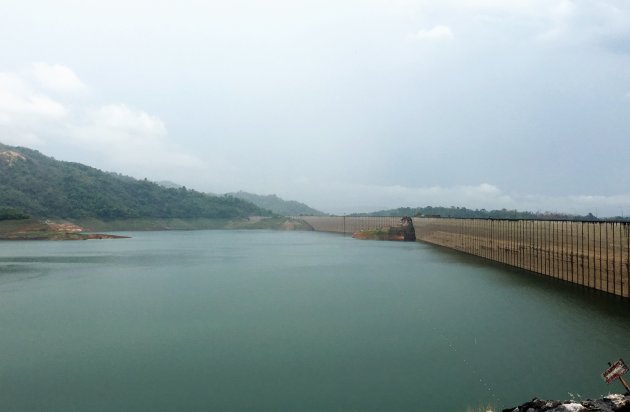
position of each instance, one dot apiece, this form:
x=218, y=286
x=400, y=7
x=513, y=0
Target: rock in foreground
x=610, y=403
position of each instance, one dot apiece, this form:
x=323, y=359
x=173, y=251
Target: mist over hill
x=278, y=205
x=41, y=186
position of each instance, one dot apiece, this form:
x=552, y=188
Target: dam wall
x=592, y=254
x=349, y=224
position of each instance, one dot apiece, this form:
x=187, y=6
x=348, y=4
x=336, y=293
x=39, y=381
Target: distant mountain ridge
x=278, y=205
x=41, y=186
x=465, y=213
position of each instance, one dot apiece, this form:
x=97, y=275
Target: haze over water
x=257, y=320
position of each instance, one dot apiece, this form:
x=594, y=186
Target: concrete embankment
x=593, y=254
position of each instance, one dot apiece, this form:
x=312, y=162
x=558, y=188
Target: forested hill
x=277, y=205
x=44, y=187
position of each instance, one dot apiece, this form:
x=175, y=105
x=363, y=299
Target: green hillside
x=41, y=186
x=277, y=205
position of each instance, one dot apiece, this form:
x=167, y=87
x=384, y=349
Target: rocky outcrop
x=405, y=232
x=30, y=229
x=88, y=236
x=9, y=157
x=409, y=232
x=386, y=233
x=59, y=236
x=610, y=403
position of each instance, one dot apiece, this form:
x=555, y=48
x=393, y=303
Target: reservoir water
x=291, y=321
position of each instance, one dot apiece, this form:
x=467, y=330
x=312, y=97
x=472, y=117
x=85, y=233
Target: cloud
x=57, y=78
x=347, y=198
x=25, y=112
x=17, y=99
x=116, y=120
x=599, y=23
x=115, y=137
x=555, y=23
x=436, y=33
x=130, y=136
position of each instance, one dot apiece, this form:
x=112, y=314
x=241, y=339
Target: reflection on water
x=231, y=320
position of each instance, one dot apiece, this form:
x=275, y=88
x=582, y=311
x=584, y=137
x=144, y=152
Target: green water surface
x=290, y=321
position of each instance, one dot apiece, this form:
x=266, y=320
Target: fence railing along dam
x=592, y=254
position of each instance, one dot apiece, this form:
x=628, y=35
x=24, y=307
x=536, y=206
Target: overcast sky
x=345, y=105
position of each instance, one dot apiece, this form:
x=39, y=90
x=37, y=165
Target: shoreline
x=91, y=228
